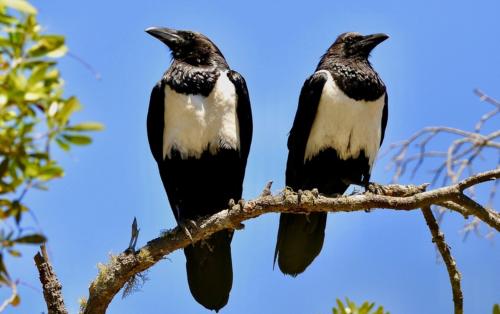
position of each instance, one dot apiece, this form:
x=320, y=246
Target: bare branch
x=52, y=289
x=454, y=162
x=444, y=250
x=492, y=218
x=486, y=98
x=113, y=276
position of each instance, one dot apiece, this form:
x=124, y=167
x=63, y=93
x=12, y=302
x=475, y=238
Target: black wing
x=385, y=116
x=310, y=96
x=155, y=121
x=244, y=113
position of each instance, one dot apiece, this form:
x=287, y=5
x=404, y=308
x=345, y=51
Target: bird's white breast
x=195, y=123
x=345, y=124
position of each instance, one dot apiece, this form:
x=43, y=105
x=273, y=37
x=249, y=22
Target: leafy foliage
x=34, y=114
x=496, y=309
x=352, y=308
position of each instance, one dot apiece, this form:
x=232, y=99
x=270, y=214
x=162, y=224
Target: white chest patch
x=345, y=124
x=195, y=123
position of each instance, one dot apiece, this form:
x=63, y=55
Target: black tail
x=209, y=270
x=300, y=239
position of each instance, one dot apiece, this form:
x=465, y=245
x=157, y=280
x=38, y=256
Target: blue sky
x=438, y=52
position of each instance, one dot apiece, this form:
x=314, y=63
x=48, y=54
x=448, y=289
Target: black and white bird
x=338, y=129
x=199, y=129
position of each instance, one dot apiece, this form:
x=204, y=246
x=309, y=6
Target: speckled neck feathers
x=356, y=78
x=191, y=80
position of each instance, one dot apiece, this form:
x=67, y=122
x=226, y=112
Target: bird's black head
x=189, y=47
x=354, y=45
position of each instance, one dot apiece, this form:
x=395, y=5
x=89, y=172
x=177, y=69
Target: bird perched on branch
x=199, y=130
x=338, y=129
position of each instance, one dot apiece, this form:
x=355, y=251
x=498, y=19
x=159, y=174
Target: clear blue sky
x=438, y=52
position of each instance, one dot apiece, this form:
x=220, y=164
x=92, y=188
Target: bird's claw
x=184, y=226
x=374, y=188
x=241, y=203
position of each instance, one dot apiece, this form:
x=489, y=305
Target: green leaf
x=496, y=309
x=77, y=139
x=3, y=269
x=38, y=73
x=50, y=172
x=66, y=109
x=19, y=5
x=7, y=19
x=32, y=239
x=59, y=52
x=4, y=166
x=341, y=307
x=86, y=126
x=14, y=253
x=351, y=305
x=45, y=45
x=62, y=144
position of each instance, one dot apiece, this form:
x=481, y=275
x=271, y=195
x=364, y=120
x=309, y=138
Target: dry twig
x=451, y=266
x=454, y=162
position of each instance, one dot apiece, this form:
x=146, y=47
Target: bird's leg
x=315, y=192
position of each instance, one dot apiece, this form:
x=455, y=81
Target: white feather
x=195, y=123
x=345, y=124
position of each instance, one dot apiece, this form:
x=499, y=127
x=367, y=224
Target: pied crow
x=199, y=127
x=338, y=129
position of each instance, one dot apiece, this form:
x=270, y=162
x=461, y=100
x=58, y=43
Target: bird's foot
x=241, y=203
x=374, y=188
x=231, y=203
x=315, y=193
x=185, y=224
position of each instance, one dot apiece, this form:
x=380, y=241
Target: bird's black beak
x=168, y=36
x=371, y=41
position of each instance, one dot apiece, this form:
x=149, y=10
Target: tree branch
x=444, y=250
x=113, y=276
x=52, y=289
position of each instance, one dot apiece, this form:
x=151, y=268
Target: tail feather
x=300, y=239
x=209, y=270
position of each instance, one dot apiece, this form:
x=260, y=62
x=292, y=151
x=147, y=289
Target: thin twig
x=444, y=250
